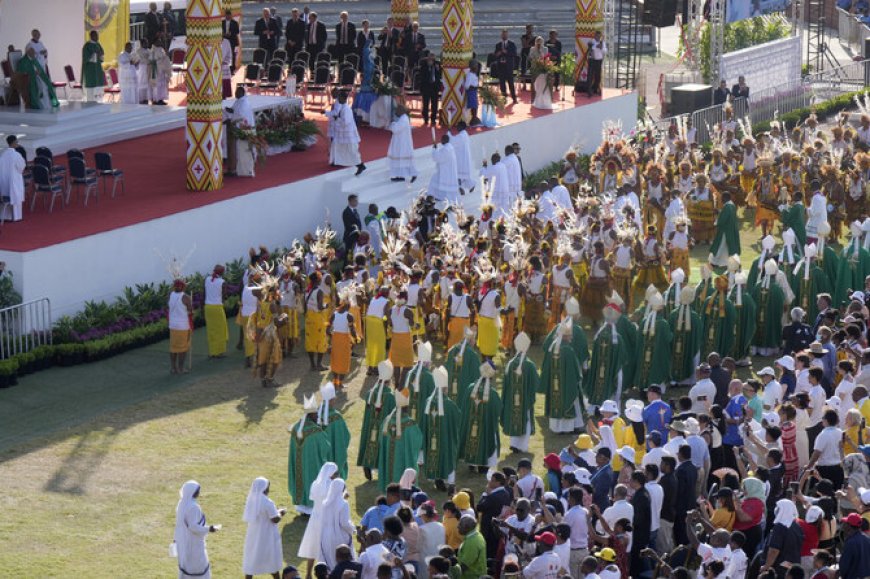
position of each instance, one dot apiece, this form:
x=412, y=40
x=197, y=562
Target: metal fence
x=852, y=77
x=24, y=327
x=851, y=32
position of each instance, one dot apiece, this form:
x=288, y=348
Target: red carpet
x=154, y=171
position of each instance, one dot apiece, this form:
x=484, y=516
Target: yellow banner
x=111, y=18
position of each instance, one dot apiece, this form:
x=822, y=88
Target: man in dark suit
x=641, y=524
x=352, y=223
x=506, y=61
x=315, y=37
x=362, y=35
x=295, y=34
x=230, y=31
x=554, y=47
x=152, y=24
x=430, y=87
x=388, y=42
x=345, y=37
x=721, y=94
x=415, y=43
x=687, y=477
x=741, y=89
x=266, y=30
x=280, y=21
x=490, y=506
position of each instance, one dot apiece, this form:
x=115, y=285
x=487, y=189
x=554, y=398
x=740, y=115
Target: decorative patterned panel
x=404, y=12
x=457, y=49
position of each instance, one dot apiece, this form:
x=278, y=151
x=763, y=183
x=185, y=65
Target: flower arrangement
x=244, y=132
x=491, y=97
x=385, y=87
x=546, y=66
x=286, y=129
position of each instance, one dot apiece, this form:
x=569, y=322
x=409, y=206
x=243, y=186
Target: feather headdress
x=175, y=265
x=862, y=101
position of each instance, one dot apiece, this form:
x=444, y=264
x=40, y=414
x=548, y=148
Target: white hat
x=572, y=306
x=634, y=412
x=770, y=267
x=566, y=328
x=440, y=377
x=678, y=275
x=733, y=263
x=767, y=371
x=583, y=476
x=310, y=405
x=522, y=342
x=615, y=298
x=811, y=250
x=656, y=301
x=487, y=370
x=788, y=237
x=864, y=494
x=740, y=278
x=687, y=295
x=651, y=290
x=786, y=362
x=814, y=513
x=857, y=296
x=424, y=351
x=327, y=392
x=385, y=370
x=627, y=453
x=768, y=242
x=772, y=418
x=693, y=426
x=855, y=228
x=609, y=406
x=833, y=402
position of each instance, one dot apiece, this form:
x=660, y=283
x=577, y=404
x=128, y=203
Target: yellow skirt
x=419, y=328
x=339, y=357
x=402, y=350
x=581, y=272
x=179, y=341
x=747, y=186
x=487, y=336
x=250, y=346
x=269, y=352
x=508, y=330
x=315, y=332
x=290, y=330
x=216, y=329
x=680, y=258
x=702, y=214
x=456, y=331
x=376, y=341
x=356, y=312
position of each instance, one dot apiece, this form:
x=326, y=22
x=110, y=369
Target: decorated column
x=457, y=48
x=235, y=7
x=204, y=112
x=404, y=12
x=588, y=19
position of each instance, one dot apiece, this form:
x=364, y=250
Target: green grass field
x=92, y=457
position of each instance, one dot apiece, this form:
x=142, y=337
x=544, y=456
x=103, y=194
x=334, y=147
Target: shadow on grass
x=82, y=462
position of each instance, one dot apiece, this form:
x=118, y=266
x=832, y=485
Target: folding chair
x=56, y=170
x=105, y=170
x=319, y=84
x=71, y=80
x=112, y=87
x=259, y=56
x=252, y=75
x=81, y=176
x=178, y=56
x=44, y=184
x=352, y=58
x=274, y=78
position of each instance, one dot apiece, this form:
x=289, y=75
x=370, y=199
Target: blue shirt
x=374, y=517
x=602, y=482
x=656, y=417
x=734, y=410
x=855, y=560
x=788, y=381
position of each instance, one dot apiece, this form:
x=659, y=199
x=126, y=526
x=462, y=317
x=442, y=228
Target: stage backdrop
x=61, y=25
x=111, y=18
x=780, y=65
x=739, y=9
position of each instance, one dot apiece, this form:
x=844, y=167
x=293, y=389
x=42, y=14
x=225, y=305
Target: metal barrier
x=24, y=327
x=852, y=77
x=765, y=105
x=137, y=31
x=851, y=31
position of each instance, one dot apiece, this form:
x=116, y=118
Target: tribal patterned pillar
x=457, y=48
x=589, y=19
x=404, y=12
x=205, y=170
x=235, y=6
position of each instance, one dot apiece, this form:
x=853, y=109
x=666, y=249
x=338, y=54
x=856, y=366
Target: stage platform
x=100, y=249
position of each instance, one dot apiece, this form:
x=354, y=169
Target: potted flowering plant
x=286, y=129
x=257, y=142
x=546, y=66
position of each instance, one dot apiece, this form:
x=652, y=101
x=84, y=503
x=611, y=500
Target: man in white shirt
x=575, y=518
x=344, y=149
x=620, y=509
x=655, y=453
x=240, y=156
x=738, y=563
x=373, y=555
x=444, y=184
x=827, y=456
x=656, y=498
x=772, y=395
x=596, y=51
x=703, y=392
x=547, y=564
x=529, y=484
x=717, y=550
x=39, y=48
x=676, y=431
x=818, y=399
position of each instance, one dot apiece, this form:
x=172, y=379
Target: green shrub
x=8, y=367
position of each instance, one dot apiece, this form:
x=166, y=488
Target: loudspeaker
x=659, y=13
x=688, y=98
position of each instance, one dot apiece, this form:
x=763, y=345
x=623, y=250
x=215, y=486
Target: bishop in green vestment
x=518, y=395
x=309, y=449
x=811, y=281
x=672, y=295
x=578, y=339
x=852, y=267
x=720, y=321
x=653, y=364
x=379, y=402
x=463, y=367
x=603, y=379
x=688, y=330
x=704, y=289
x=795, y=218
x=92, y=66
x=418, y=381
x=400, y=443
x=744, y=304
x=771, y=301
x=727, y=240
x=561, y=380
x=441, y=424
x=332, y=422
x=768, y=244
x=40, y=92
x=480, y=441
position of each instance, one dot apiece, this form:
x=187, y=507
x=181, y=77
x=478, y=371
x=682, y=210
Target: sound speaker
x=688, y=98
x=659, y=13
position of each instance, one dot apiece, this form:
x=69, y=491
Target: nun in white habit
x=338, y=529
x=309, y=548
x=190, y=532
x=263, y=554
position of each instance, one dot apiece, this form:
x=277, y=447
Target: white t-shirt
x=828, y=444
x=576, y=519
x=772, y=395
x=656, y=498
x=708, y=553
x=564, y=553
x=844, y=392
x=618, y=510
x=704, y=388
x=817, y=404
x=654, y=456
x=544, y=566
x=736, y=566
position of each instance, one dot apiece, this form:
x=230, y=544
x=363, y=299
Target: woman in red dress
x=787, y=415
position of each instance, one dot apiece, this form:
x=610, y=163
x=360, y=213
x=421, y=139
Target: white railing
x=24, y=327
x=852, y=77
x=851, y=31
x=765, y=105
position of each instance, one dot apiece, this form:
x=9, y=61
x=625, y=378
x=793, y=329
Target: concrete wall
x=61, y=23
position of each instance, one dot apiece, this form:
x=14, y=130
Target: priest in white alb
x=401, y=151
x=239, y=154
x=444, y=183
x=462, y=147
x=12, y=166
x=344, y=149
x=159, y=73
x=128, y=75
x=514, y=171
x=143, y=84
x=496, y=177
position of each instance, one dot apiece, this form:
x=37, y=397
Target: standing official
x=266, y=30
x=597, y=51
x=230, y=31
x=430, y=87
x=415, y=43
x=506, y=60
x=345, y=37
x=315, y=37
x=295, y=35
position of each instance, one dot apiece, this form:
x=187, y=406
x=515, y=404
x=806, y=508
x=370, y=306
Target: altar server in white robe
x=143, y=84
x=190, y=532
x=514, y=172
x=128, y=75
x=227, y=59
x=496, y=176
x=39, y=48
x=462, y=147
x=344, y=149
x=263, y=554
x=160, y=71
x=401, y=150
x=12, y=166
x=337, y=528
x=444, y=184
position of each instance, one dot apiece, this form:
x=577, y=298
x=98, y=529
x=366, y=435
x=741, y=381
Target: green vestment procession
x=727, y=231
x=609, y=357
x=309, y=449
x=720, y=322
x=399, y=448
x=653, y=364
x=794, y=218
x=770, y=301
x=35, y=89
x=518, y=396
x=379, y=402
x=92, y=65
x=688, y=330
x=481, y=408
x=853, y=267
x=578, y=342
x=419, y=383
x=441, y=422
x=746, y=309
x=461, y=371
x=561, y=378
x=807, y=288
x=338, y=435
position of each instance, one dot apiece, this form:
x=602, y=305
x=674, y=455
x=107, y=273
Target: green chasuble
x=703, y=290
x=397, y=452
x=686, y=345
x=376, y=409
x=461, y=372
x=518, y=396
x=853, y=266
x=746, y=320
x=92, y=65
x=440, y=437
x=795, y=218
x=653, y=362
x=829, y=263
x=770, y=301
x=630, y=342
x=479, y=436
x=806, y=290
x=308, y=452
x=339, y=441
x=672, y=299
x=34, y=71
x=561, y=379
x=578, y=342
x=420, y=384
x=727, y=230
x=720, y=323
x=609, y=359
